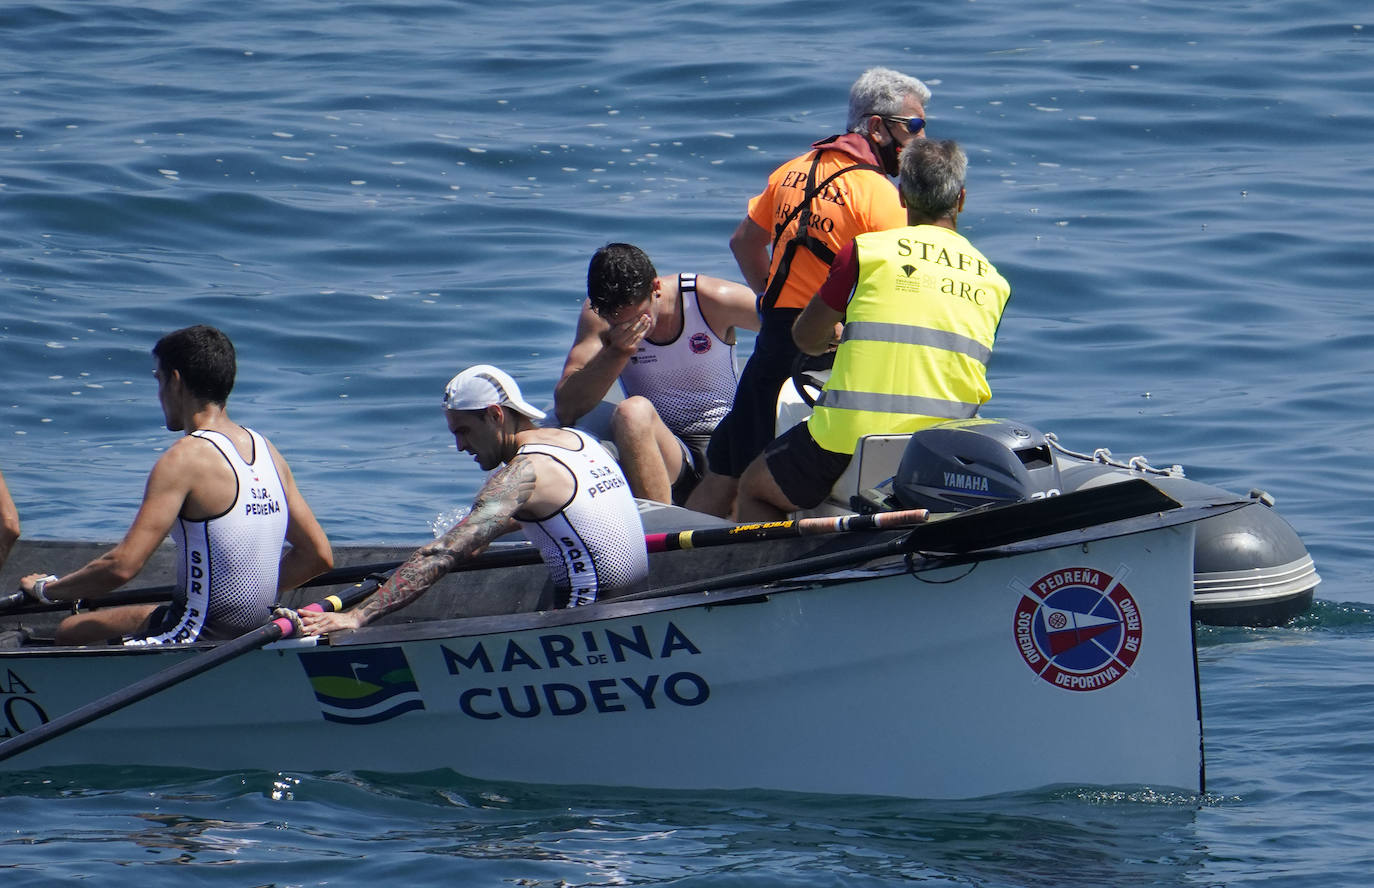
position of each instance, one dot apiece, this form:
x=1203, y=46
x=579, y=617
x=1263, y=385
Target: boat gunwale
x=914, y=560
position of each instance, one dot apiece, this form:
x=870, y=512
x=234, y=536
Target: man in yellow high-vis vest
x=920, y=307
x=811, y=207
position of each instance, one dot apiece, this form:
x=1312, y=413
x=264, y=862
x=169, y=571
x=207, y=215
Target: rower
x=229, y=501
x=559, y=486
x=670, y=342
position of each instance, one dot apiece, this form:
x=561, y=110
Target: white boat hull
x=937, y=684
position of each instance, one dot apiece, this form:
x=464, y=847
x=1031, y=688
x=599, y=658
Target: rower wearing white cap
x=559, y=485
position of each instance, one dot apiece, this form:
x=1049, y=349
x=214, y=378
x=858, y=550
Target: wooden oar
x=159, y=681
x=757, y=576
x=773, y=530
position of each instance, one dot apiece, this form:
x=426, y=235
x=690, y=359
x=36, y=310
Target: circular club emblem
x=700, y=343
x=1078, y=629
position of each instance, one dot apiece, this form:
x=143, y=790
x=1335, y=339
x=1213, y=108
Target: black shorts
x=166, y=617
x=163, y=618
x=693, y=466
x=804, y=470
x=693, y=449
x=752, y=421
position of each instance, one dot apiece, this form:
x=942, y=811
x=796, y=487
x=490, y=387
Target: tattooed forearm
x=408, y=583
x=492, y=513
x=504, y=494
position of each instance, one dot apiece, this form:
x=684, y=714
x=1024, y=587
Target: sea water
x=369, y=196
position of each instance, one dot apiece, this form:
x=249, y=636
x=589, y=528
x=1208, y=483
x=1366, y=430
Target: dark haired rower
x=229, y=501
x=670, y=341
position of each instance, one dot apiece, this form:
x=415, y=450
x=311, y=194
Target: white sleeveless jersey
x=227, y=565
x=595, y=542
x=690, y=381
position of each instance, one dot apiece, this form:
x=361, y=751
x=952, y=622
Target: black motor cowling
x=965, y=463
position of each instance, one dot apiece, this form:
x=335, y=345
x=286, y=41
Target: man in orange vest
x=813, y=206
x=920, y=307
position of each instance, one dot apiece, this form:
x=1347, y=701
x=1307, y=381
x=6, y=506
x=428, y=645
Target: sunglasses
x=913, y=124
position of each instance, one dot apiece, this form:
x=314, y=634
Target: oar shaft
x=141, y=689
x=527, y=554
x=773, y=530
x=183, y=671
x=349, y=573
x=757, y=576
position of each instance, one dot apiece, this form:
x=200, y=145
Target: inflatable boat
x=1250, y=568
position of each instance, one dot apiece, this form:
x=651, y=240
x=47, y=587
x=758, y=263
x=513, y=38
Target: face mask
x=887, y=153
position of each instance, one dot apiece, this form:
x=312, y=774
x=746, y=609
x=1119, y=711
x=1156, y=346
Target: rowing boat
x=1002, y=649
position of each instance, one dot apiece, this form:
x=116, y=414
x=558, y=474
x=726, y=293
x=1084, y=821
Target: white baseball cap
x=482, y=385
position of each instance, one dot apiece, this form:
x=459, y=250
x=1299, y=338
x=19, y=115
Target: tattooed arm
x=493, y=513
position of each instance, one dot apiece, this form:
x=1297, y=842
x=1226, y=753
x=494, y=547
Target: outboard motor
x=1249, y=566
x=971, y=462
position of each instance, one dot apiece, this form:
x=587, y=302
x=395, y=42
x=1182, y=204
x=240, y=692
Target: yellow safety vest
x=918, y=333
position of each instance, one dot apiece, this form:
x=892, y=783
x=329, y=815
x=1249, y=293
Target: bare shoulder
x=198, y=474
x=553, y=436
x=727, y=303
x=544, y=466
x=195, y=463
x=723, y=291
x=547, y=483
x=190, y=451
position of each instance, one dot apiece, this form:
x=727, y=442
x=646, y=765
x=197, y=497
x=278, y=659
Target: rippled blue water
x=369, y=196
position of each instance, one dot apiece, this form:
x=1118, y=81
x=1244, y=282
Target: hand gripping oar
x=15, y=603
x=283, y=627
x=264, y=635
x=523, y=554
x=773, y=530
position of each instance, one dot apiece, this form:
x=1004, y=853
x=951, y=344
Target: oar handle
x=332, y=603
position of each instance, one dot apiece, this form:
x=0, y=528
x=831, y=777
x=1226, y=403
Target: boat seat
x=876, y=459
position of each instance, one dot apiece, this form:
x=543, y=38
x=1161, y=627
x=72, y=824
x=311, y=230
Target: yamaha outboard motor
x=965, y=463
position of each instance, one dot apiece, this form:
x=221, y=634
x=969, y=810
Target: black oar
x=775, y=530
x=229, y=650
x=988, y=527
x=349, y=573
x=524, y=553
x=757, y=576
x=976, y=530
x=159, y=681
